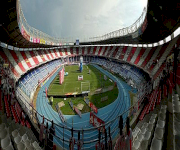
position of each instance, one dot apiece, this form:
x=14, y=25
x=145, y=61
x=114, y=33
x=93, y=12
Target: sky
x=79, y=19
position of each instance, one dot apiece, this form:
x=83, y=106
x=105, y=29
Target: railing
x=165, y=40
x=37, y=36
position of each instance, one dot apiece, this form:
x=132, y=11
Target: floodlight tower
x=81, y=64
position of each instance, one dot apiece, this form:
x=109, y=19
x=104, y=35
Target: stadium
x=117, y=91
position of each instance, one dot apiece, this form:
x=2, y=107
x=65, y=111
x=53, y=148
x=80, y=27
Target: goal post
x=85, y=86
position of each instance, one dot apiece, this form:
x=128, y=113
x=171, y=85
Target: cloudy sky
x=81, y=18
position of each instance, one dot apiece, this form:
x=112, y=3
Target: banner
x=34, y=40
x=31, y=39
x=42, y=41
x=37, y=40
x=96, y=122
x=80, y=77
x=61, y=76
x=93, y=107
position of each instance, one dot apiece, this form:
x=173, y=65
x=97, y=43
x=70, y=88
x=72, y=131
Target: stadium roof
x=162, y=20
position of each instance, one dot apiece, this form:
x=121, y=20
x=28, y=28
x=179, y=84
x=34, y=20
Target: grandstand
x=146, y=55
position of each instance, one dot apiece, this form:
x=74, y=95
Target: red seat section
x=151, y=52
x=55, y=53
x=159, y=70
x=71, y=51
x=61, y=54
x=47, y=55
x=17, y=61
x=77, y=50
x=88, y=49
x=51, y=54
x=139, y=56
x=34, y=57
x=159, y=97
x=14, y=114
x=105, y=50
x=42, y=57
x=133, y=50
x=26, y=59
x=19, y=112
x=143, y=113
x=8, y=112
x=7, y=60
x=100, y=49
x=109, y=51
x=66, y=53
x=28, y=124
x=83, y=49
x=115, y=52
x=94, y=50
x=163, y=48
x=123, y=52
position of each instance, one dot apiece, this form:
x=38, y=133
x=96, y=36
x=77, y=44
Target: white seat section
x=3, y=133
x=5, y=142
x=147, y=135
x=135, y=133
x=136, y=144
x=163, y=111
x=17, y=140
x=160, y=124
x=36, y=145
x=143, y=145
x=162, y=116
x=21, y=146
x=154, y=116
x=140, y=137
x=177, y=116
x=145, y=124
x=15, y=133
x=150, y=127
x=30, y=58
x=156, y=144
x=30, y=147
x=152, y=121
x=159, y=133
x=176, y=108
x=2, y=126
x=143, y=130
x=27, y=143
x=176, y=128
x=10, y=147
x=25, y=138
x=22, y=60
x=177, y=142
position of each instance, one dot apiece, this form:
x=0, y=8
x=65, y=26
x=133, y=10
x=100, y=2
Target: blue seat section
x=107, y=113
x=30, y=81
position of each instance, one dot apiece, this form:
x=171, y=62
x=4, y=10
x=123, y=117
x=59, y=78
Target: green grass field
x=71, y=83
x=95, y=99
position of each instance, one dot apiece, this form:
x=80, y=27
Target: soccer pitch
x=92, y=81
